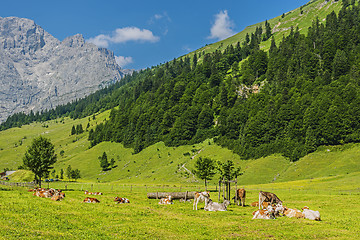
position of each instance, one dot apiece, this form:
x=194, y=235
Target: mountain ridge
x=39, y=72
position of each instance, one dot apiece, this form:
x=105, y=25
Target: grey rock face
x=39, y=72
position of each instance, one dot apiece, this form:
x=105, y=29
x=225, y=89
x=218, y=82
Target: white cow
x=311, y=214
x=214, y=206
x=201, y=197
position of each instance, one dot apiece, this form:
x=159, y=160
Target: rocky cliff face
x=39, y=72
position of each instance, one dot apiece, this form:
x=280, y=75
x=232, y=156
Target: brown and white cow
x=264, y=213
x=201, y=197
x=293, y=213
x=121, y=200
x=268, y=197
x=165, y=201
x=91, y=200
x=240, y=195
x=92, y=193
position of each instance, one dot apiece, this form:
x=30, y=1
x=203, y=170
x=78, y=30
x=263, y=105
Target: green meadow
x=25, y=216
x=326, y=180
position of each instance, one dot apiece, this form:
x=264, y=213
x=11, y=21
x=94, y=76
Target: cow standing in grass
x=268, y=197
x=240, y=195
x=201, y=197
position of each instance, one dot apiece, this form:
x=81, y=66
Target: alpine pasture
x=326, y=180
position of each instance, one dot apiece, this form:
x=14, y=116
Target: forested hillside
x=302, y=93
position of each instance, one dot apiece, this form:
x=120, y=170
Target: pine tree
x=73, y=130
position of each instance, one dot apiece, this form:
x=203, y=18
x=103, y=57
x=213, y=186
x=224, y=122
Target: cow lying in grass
x=201, y=197
x=92, y=193
x=269, y=213
x=91, y=200
x=214, y=206
x=167, y=200
x=292, y=213
x=58, y=196
x=121, y=200
x=48, y=193
x=311, y=214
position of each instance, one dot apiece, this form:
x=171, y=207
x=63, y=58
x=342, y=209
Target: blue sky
x=146, y=33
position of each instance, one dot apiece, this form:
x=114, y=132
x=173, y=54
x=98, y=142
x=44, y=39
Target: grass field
x=28, y=217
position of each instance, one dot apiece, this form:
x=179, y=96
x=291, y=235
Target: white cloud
x=123, y=35
x=100, y=40
x=158, y=17
x=123, y=61
x=222, y=28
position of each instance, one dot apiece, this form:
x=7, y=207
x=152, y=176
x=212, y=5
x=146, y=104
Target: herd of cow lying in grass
x=270, y=206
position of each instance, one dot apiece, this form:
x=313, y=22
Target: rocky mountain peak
x=39, y=72
x=74, y=41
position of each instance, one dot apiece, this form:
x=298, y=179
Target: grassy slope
x=160, y=164
x=280, y=26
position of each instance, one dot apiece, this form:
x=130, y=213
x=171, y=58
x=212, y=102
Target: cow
x=91, y=200
x=42, y=194
x=278, y=209
x=121, y=200
x=264, y=214
x=254, y=204
x=240, y=195
x=268, y=197
x=214, y=206
x=293, y=213
x=311, y=214
x=201, y=197
x=167, y=200
x=92, y=193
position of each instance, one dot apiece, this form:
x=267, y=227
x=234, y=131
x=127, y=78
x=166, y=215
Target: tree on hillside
x=76, y=174
x=69, y=172
x=205, y=169
x=61, y=174
x=112, y=162
x=73, y=130
x=104, y=164
x=39, y=158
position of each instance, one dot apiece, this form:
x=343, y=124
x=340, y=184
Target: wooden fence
x=18, y=184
